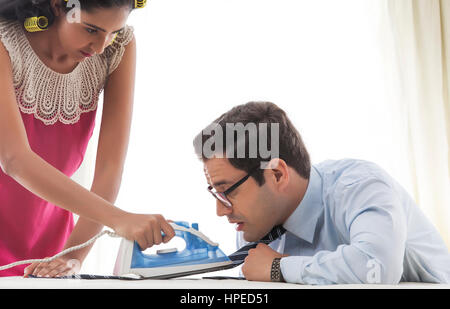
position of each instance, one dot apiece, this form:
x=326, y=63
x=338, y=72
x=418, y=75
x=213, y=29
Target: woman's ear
x=56, y=7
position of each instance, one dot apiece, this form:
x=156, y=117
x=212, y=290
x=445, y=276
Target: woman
x=52, y=71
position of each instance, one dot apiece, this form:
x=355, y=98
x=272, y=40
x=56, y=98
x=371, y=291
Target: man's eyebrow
x=221, y=182
x=101, y=29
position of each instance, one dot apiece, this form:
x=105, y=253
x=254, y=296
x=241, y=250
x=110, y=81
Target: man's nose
x=222, y=210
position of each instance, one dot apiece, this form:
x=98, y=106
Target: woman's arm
x=111, y=153
x=113, y=140
x=31, y=171
x=103, y=185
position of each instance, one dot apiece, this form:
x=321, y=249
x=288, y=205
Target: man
x=345, y=221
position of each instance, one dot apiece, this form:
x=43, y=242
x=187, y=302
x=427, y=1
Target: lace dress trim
x=53, y=96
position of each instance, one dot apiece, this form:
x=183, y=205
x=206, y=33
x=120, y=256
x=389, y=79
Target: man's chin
x=250, y=237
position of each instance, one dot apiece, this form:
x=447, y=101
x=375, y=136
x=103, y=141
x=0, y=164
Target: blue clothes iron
x=199, y=256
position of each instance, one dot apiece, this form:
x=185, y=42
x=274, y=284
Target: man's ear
x=278, y=173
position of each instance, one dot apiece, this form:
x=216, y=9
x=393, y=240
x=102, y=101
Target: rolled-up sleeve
x=370, y=214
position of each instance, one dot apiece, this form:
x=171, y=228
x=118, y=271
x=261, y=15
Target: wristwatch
x=275, y=271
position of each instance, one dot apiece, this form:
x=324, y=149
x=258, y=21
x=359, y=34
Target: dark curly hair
x=20, y=10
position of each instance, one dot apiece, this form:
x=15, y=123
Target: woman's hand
x=62, y=266
x=144, y=229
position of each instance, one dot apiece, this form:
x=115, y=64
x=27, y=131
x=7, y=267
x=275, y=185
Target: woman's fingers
x=144, y=229
x=57, y=271
x=57, y=268
x=168, y=230
x=68, y=268
x=39, y=267
x=157, y=237
x=43, y=269
x=29, y=269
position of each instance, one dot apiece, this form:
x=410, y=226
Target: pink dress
x=58, y=112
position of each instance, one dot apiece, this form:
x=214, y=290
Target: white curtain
x=416, y=42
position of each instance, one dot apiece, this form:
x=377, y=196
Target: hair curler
x=139, y=4
x=36, y=23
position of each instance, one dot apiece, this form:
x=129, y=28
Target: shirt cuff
x=292, y=268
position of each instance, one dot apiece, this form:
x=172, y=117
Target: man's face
x=252, y=205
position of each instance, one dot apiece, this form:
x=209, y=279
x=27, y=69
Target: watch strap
x=275, y=271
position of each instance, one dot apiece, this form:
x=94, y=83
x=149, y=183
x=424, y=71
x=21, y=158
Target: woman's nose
x=101, y=44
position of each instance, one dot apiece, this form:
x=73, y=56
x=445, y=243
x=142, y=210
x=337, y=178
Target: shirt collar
x=302, y=222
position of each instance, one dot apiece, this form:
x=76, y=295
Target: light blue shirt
x=356, y=224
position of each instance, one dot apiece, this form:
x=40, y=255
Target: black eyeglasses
x=222, y=196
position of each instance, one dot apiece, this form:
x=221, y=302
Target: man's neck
x=295, y=193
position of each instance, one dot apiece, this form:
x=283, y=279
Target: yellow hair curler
x=139, y=4
x=36, y=23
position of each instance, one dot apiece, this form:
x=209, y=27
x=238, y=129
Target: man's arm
x=376, y=225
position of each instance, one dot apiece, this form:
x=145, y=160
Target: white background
x=318, y=60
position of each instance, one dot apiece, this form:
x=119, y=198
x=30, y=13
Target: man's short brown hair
x=291, y=148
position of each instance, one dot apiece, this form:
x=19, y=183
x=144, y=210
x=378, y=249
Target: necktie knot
x=275, y=233
x=239, y=256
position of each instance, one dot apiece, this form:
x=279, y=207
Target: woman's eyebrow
x=101, y=29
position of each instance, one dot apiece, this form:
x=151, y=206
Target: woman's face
x=91, y=33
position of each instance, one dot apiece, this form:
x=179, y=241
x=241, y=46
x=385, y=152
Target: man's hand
x=258, y=263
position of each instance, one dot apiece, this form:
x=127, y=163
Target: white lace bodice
x=52, y=96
